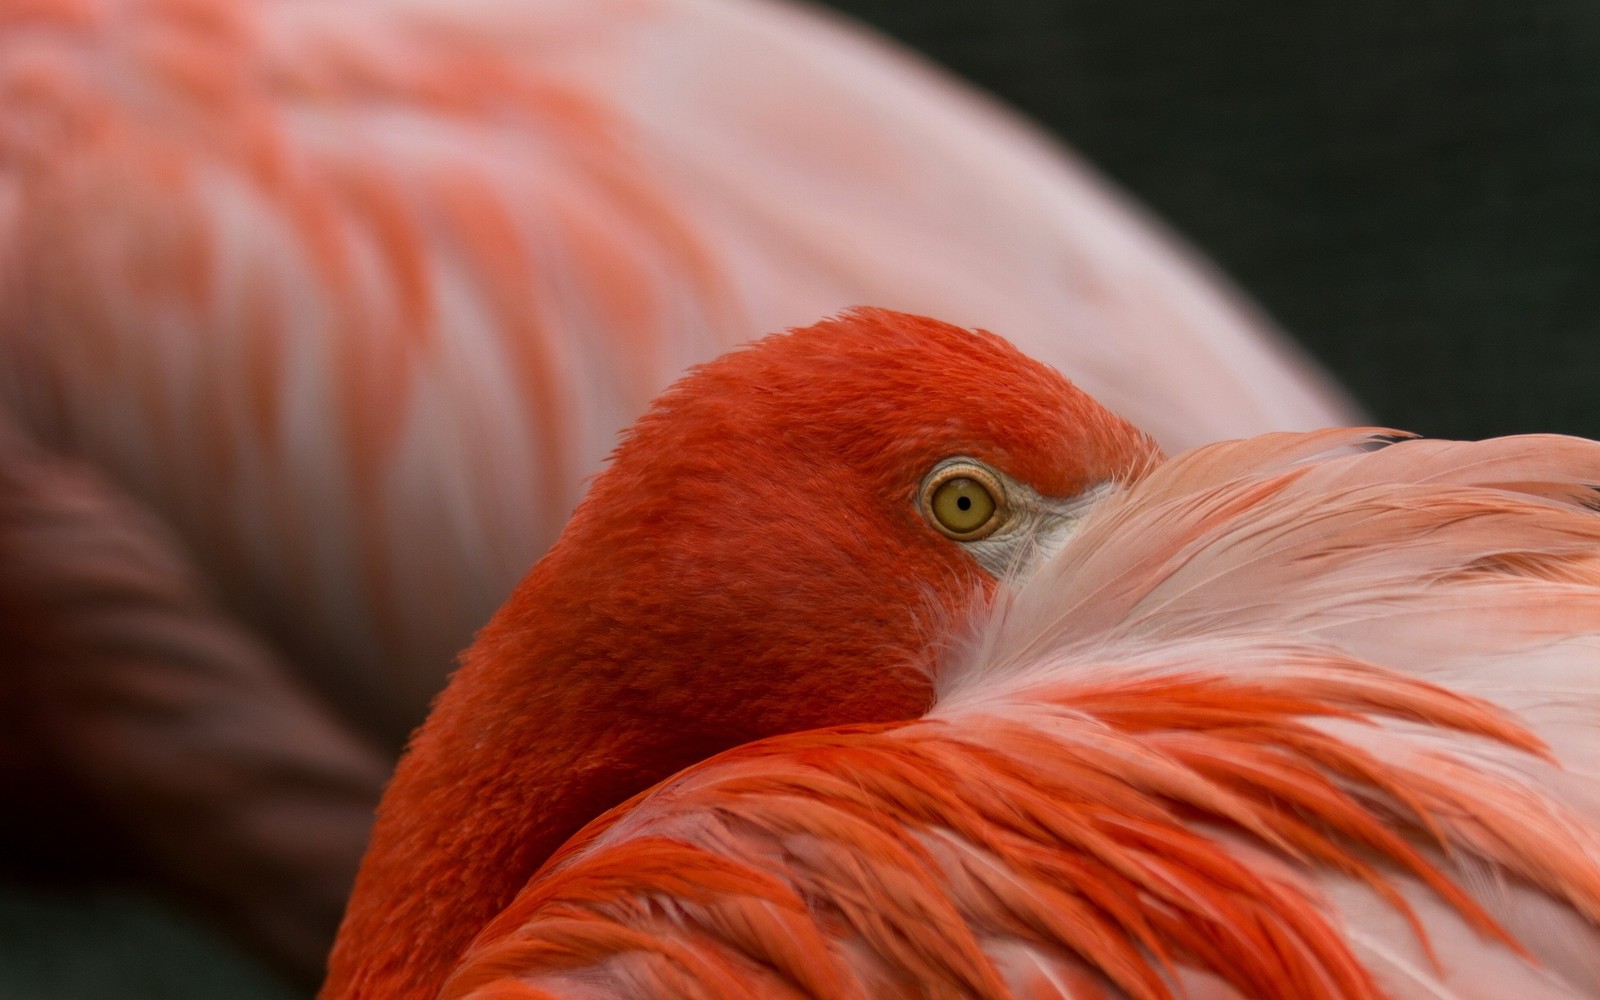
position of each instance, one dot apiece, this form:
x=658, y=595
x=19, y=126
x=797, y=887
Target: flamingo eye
x=964, y=501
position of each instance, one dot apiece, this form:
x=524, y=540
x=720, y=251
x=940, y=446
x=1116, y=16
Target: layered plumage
x=1308, y=715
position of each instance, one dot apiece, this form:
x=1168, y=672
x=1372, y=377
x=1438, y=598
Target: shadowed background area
x=1407, y=189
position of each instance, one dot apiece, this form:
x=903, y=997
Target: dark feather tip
x=1377, y=441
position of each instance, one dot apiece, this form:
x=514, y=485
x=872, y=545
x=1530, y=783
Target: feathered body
x=1267, y=729
x=1308, y=715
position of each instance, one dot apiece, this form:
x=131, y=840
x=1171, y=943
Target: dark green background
x=1408, y=187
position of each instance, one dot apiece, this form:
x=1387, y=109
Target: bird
x=350, y=300
x=883, y=661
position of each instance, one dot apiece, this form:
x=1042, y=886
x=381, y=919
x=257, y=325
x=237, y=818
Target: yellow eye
x=964, y=501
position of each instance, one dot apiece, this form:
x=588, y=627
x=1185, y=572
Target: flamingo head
x=790, y=535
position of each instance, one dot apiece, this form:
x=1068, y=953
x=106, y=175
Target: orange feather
x=1308, y=715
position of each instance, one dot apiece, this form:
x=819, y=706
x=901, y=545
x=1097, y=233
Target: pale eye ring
x=963, y=500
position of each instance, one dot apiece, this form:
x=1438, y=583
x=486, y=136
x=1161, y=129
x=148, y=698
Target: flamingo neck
x=521, y=750
x=563, y=708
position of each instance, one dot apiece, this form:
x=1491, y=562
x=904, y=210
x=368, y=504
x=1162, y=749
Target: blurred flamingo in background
x=340, y=303
x=1308, y=715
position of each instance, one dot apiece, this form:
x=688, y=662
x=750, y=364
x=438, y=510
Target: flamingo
x=886, y=662
x=347, y=301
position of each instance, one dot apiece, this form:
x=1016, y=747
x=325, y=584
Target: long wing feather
x=1299, y=716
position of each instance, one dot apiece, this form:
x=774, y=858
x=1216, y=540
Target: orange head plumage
x=785, y=541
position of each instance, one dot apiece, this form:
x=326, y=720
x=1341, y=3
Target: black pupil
x=965, y=503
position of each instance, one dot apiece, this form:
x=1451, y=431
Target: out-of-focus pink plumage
x=354, y=296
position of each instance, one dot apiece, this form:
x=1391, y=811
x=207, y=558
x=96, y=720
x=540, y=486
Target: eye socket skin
x=964, y=501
